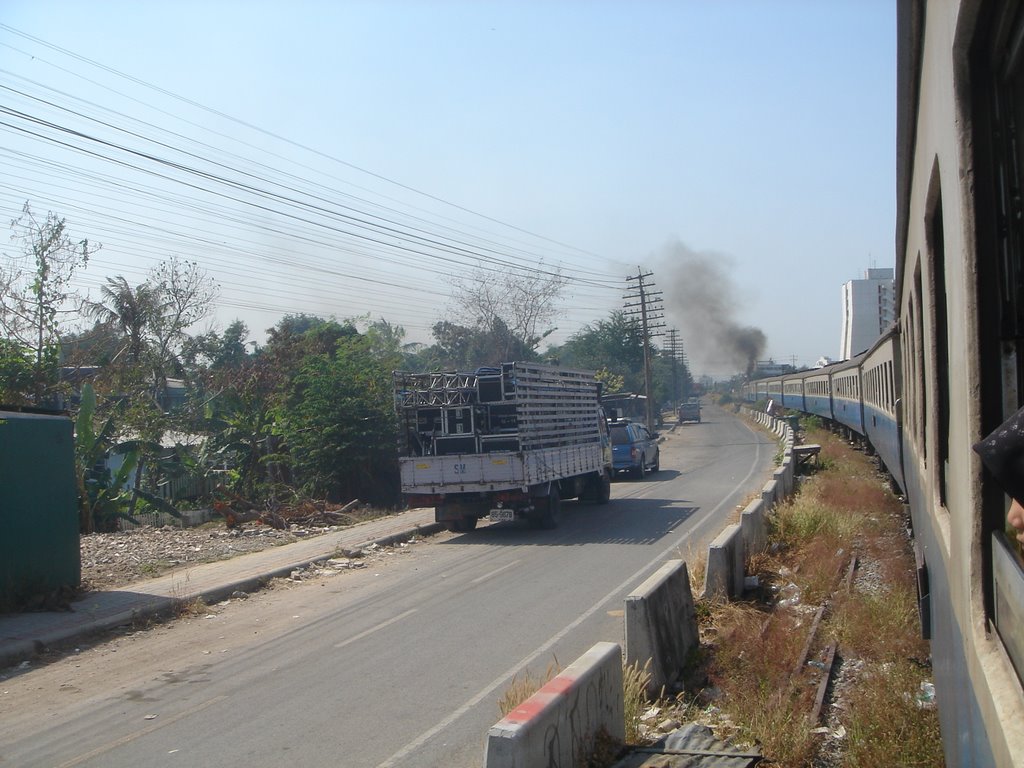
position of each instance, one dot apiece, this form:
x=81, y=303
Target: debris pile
x=306, y=512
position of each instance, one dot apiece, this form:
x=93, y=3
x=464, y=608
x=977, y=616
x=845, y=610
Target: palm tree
x=129, y=309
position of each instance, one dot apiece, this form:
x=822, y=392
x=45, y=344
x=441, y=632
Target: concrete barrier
x=754, y=528
x=661, y=624
x=557, y=725
x=768, y=496
x=787, y=479
x=779, y=478
x=724, y=574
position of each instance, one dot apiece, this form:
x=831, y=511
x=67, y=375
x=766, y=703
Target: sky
x=353, y=159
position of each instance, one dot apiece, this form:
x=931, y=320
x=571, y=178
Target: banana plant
x=104, y=497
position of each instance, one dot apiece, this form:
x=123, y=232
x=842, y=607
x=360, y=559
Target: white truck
x=506, y=442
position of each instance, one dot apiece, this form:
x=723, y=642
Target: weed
x=886, y=724
x=696, y=564
x=522, y=688
x=634, y=687
x=193, y=608
x=153, y=568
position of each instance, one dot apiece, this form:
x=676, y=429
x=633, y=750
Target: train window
x=997, y=68
x=889, y=387
x=922, y=392
x=940, y=320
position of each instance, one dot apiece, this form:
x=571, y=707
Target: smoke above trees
x=700, y=296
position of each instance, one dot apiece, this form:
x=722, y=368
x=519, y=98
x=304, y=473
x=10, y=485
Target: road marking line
x=495, y=572
x=144, y=732
x=371, y=630
x=502, y=679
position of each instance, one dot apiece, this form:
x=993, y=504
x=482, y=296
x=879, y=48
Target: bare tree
x=185, y=295
x=35, y=290
x=517, y=306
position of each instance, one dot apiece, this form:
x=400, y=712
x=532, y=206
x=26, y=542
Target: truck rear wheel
x=598, y=488
x=549, y=510
x=462, y=525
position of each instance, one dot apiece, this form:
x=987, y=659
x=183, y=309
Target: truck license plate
x=499, y=515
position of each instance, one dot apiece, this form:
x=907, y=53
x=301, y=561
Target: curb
x=17, y=651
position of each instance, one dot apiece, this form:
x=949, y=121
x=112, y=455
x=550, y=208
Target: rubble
x=115, y=559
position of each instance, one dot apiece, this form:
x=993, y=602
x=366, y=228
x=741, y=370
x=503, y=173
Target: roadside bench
x=805, y=454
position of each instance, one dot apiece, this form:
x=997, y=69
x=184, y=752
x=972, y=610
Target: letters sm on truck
x=505, y=442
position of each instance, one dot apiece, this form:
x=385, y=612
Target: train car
x=879, y=380
x=846, y=401
x=793, y=392
x=818, y=393
x=960, y=294
x=760, y=390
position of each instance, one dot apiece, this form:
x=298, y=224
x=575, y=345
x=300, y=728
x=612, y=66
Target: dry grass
x=750, y=661
x=522, y=688
x=696, y=565
x=887, y=724
x=191, y=608
x=751, y=650
x=635, y=680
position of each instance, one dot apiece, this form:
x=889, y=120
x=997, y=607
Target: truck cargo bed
x=497, y=471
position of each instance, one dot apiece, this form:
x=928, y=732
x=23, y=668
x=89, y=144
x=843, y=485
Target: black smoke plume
x=700, y=296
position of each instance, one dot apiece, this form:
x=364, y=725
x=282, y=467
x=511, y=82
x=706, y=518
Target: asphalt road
x=400, y=665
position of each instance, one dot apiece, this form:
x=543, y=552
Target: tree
x=513, y=310
x=219, y=351
x=614, y=344
x=35, y=292
x=338, y=424
x=386, y=342
x=185, y=295
x=16, y=373
x=99, y=345
x=239, y=415
x=131, y=310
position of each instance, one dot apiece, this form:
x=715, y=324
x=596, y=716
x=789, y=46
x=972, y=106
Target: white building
x=867, y=311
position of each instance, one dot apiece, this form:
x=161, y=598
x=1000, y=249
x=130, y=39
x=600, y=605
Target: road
x=401, y=664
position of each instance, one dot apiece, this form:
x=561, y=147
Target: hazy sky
x=345, y=158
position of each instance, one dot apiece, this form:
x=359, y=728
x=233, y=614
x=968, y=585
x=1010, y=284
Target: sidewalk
x=22, y=633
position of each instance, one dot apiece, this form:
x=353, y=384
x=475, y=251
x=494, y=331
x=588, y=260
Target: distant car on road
x=634, y=448
x=689, y=411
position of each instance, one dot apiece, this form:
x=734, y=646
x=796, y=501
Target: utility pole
x=677, y=349
x=672, y=347
x=642, y=301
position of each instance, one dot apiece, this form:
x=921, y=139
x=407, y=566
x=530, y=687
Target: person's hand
x=1015, y=517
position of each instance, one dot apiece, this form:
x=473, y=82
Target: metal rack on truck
x=506, y=442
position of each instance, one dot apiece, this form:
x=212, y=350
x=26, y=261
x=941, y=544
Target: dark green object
x=39, y=547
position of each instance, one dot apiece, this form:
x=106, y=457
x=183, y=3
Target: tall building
x=868, y=309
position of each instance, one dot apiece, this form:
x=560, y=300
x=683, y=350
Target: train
x=950, y=369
